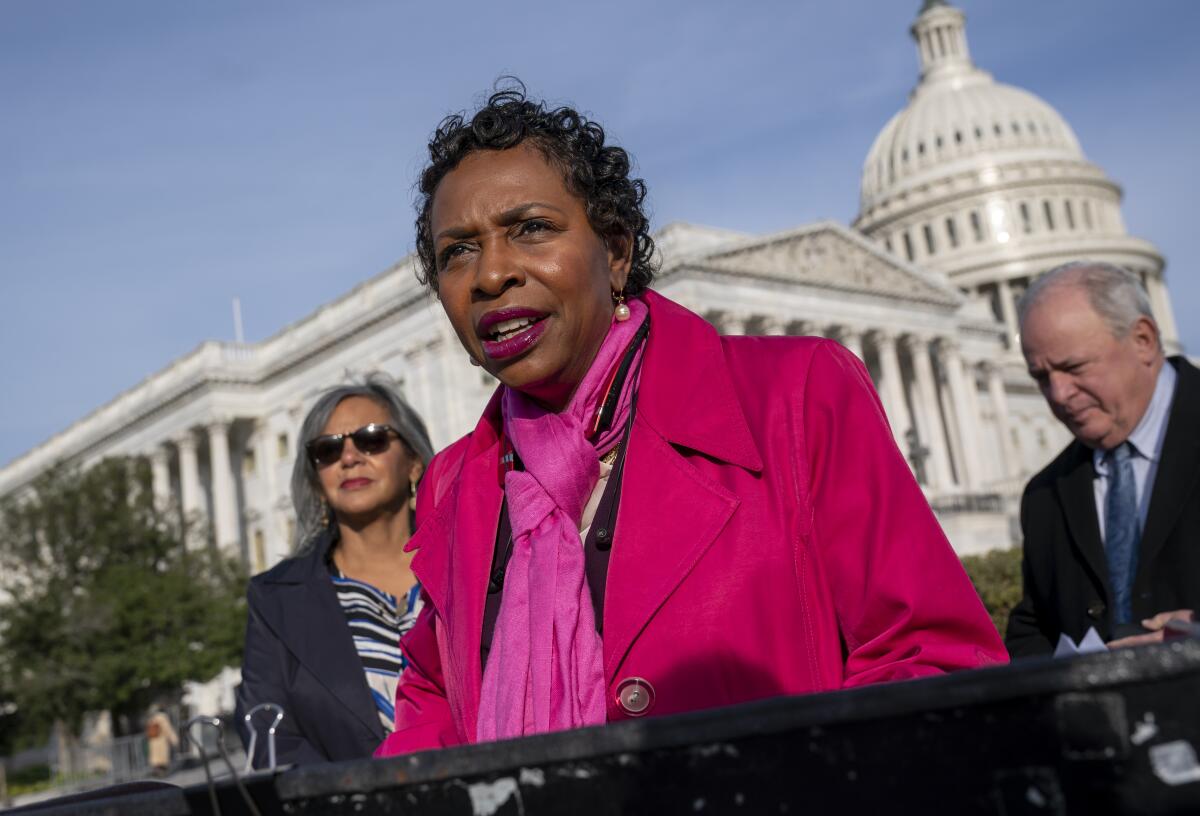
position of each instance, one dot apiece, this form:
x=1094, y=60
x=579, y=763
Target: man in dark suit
x=1112, y=525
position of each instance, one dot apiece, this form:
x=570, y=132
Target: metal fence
x=81, y=766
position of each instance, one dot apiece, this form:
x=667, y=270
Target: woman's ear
x=620, y=259
x=414, y=473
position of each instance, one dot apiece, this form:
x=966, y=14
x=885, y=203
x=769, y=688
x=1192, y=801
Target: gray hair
x=313, y=515
x=1115, y=293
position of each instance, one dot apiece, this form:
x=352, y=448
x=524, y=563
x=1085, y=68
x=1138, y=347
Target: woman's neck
x=373, y=551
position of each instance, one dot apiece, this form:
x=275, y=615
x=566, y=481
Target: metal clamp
x=270, y=735
x=215, y=722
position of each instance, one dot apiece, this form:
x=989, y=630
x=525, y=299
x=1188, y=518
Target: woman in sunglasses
x=324, y=626
x=649, y=518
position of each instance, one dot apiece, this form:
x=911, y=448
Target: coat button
x=1095, y=610
x=635, y=696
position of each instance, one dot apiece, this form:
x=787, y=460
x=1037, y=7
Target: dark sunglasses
x=369, y=439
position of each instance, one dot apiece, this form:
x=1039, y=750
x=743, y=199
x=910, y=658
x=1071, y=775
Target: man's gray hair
x=1115, y=293
x=313, y=515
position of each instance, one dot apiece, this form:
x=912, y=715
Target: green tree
x=997, y=578
x=106, y=608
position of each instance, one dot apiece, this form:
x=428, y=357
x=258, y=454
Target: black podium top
x=1107, y=733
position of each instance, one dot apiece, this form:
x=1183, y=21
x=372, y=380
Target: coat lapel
x=668, y=518
x=454, y=558
x=670, y=513
x=1179, y=467
x=1078, y=498
x=310, y=622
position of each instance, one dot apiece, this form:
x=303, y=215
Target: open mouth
x=511, y=328
x=510, y=332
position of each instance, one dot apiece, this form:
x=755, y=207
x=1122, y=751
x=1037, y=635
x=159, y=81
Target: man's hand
x=1156, y=626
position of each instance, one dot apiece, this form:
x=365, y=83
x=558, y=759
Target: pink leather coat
x=770, y=540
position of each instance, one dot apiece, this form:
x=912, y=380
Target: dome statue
x=987, y=183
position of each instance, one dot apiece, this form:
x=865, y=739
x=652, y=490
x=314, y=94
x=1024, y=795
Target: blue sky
x=158, y=158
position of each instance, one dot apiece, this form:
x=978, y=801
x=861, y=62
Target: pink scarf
x=545, y=670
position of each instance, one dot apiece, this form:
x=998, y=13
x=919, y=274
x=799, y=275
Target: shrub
x=997, y=578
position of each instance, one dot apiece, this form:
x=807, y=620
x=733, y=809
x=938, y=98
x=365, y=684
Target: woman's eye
x=533, y=225
x=450, y=253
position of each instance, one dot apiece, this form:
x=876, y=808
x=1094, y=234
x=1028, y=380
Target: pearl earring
x=621, y=313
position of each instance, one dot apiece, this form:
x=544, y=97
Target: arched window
x=952, y=232
x=1048, y=211
x=1070, y=213
x=1026, y=220
x=1087, y=214
x=908, y=246
x=958, y=137
x=930, y=246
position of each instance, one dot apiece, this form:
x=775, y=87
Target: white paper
x=1091, y=643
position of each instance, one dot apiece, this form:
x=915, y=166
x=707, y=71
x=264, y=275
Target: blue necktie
x=1121, y=533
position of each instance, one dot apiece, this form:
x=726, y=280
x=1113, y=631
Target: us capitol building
x=969, y=191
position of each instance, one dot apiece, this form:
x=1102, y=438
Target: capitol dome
x=987, y=183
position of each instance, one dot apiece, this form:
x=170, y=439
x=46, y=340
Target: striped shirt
x=377, y=621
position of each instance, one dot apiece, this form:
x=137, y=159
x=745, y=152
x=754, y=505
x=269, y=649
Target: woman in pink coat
x=649, y=518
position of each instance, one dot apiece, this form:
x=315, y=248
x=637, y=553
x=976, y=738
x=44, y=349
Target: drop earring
x=412, y=493
x=621, y=313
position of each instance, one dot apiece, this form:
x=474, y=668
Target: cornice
x=803, y=257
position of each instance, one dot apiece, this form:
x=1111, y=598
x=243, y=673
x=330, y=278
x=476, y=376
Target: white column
x=1008, y=310
x=985, y=468
x=999, y=399
x=927, y=416
x=275, y=529
x=160, y=474
x=851, y=339
x=225, y=515
x=891, y=388
x=773, y=326
x=190, y=499
x=806, y=328
x=951, y=360
x=733, y=323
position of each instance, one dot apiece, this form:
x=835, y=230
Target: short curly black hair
x=596, y=172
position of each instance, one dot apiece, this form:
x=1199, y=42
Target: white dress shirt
x=1146, y=441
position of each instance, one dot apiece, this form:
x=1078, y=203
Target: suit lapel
x=311, y=623
x=1078, y=498
x=1179, y=466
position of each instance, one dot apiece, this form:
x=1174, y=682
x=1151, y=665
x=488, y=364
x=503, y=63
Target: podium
x=1115, y=732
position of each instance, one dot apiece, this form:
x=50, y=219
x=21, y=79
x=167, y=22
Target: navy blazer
x=300, y=654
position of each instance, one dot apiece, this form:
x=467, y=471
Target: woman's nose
x=350, y=454
x=497, y=269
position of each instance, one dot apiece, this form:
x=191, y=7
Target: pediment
x=825, y=255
